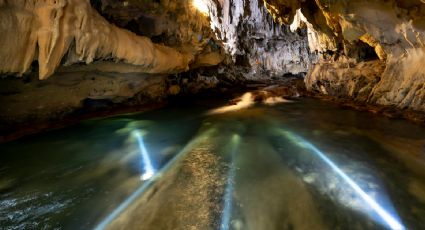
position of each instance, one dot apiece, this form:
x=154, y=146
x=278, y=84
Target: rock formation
x=71, y=31
x=245, y=30
x=368, y=51
x=252, y=38
x=347, y=31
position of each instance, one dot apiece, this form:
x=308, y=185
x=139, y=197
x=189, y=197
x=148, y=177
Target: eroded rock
x=345, y=80
x=254, y=40
x=356, y=31
x=71, y=31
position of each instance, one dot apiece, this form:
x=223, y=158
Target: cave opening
x=212, y=114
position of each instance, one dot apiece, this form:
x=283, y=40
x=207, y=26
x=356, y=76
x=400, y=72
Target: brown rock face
x=360, y=30
x=371, y=51
x=71, y=31
x=345, y=79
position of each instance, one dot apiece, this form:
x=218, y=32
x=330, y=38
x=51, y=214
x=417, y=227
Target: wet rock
x=72, y=94
x=189, y=194
x=271, y=92
x=76, y=93
x=346, y=80
x=380, y=110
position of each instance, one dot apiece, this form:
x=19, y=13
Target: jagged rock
x=243, y=28
x=367, y=50
x=345, y=79
x=173, y=23
x=402, y=82
x=399, y=82
x=394, y=30
x=253, y=39
x=48, y=31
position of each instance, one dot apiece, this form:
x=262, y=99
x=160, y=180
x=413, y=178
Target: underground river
x=301, y=164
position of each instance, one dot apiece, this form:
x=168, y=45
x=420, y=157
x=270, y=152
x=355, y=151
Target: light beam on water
x=388, y=219
x=228, y=193
x=149, y=171
x=246, y=101
x=140, y=191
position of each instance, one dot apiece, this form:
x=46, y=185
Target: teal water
x=304, y=164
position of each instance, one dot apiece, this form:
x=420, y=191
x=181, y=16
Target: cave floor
x=302, y=164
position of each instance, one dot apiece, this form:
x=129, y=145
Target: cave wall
x=64, y=59
x=55, y=32
x=369, y=51
x=253, y=42
x=258, y=38
x=174, y=23
x=154, y=36
x=254, y=39
x=395, y=30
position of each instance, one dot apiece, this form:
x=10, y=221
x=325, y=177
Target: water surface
x=304, y=164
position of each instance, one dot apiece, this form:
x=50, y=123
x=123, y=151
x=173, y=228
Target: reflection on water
x=228, y=192
x=247, y=100
x=367, y=203
x=148, y=170
x=300, y=165
x=73, y=178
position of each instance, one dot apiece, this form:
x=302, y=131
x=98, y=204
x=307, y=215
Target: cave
x=212, y=114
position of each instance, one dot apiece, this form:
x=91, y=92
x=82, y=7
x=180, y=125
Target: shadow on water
x=299, y=165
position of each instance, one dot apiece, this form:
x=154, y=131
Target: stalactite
x=50, y=29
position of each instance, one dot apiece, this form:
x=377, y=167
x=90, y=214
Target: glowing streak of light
x=275, y=100
x=389, y=220
x=228, y=193
x=140, y=191
x=149, y=171
x=247, y=100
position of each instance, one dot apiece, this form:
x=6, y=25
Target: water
x=304, y=164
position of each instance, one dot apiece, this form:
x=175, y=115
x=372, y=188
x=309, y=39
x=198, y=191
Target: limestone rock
x=48, y=31
x=69, y=90
x=343, y=30
x=253, y=39
x=345, y=79
x=403, y=82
